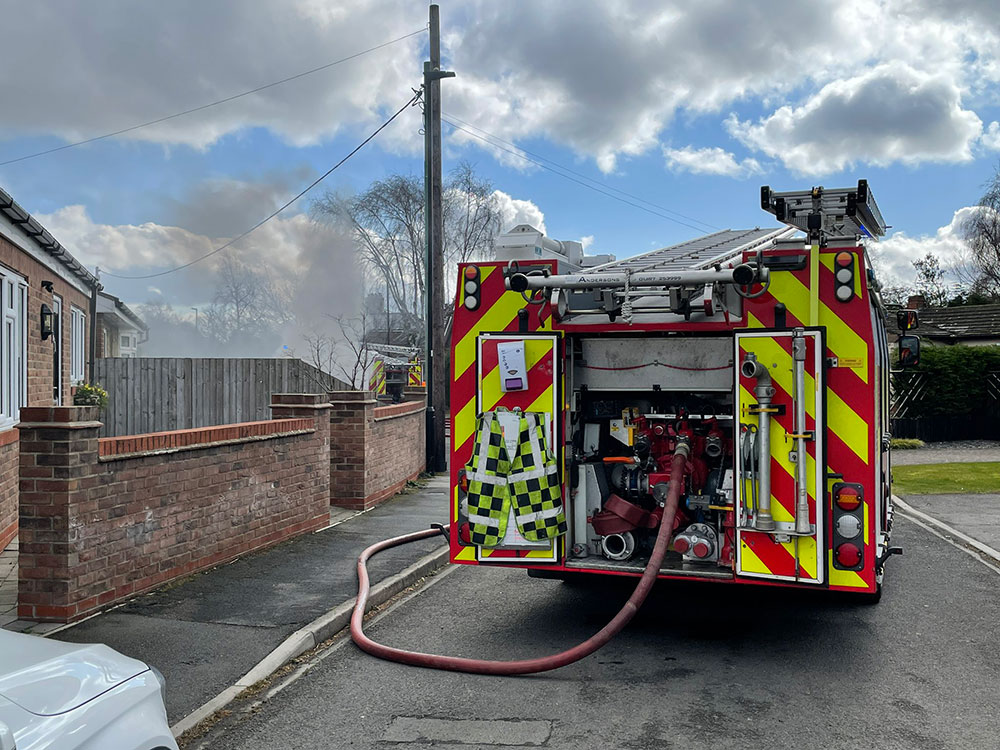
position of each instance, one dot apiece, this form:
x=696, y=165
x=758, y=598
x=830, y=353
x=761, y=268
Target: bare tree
x=930, y=282
x=387, y=220
x=351, y=353
x=248, y=305
x=981, y=233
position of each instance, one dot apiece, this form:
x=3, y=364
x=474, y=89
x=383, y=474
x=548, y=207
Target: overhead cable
x=211, y=104
x=270, y=216
x=578, y=174
x=565, y=176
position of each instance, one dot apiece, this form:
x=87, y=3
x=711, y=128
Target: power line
x=263, y=221
x=212, y=104
x=520, y=152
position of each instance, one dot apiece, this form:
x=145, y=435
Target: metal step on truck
x=760, y=354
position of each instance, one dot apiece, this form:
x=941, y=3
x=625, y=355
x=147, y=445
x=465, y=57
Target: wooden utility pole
x=435, y=363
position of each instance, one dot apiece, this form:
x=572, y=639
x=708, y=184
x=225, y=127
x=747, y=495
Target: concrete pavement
x=206, y=632
x=702, y=666
x=976, y=516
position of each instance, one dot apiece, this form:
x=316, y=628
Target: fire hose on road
x=540, y=664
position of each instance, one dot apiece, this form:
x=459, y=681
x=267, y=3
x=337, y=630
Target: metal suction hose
x=544, y=663
x=764, y=392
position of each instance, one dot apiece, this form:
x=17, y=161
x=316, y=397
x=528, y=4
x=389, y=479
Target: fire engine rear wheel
x=866, y=599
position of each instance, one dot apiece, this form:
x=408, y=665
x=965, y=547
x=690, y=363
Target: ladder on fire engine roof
x=698, y=254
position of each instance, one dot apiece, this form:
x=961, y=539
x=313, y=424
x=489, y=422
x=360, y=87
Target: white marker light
x=471, y=302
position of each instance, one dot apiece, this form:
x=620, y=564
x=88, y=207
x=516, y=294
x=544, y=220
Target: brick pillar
x=57, y=470
x=316, y=406
x=351, y=415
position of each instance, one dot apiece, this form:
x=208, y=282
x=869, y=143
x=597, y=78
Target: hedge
x=955, y=380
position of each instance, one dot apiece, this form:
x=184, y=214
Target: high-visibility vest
x=529, y=481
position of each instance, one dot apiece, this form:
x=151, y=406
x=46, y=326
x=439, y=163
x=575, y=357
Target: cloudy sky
x=686, y=107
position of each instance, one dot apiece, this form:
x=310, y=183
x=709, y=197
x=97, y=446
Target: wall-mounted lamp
x=47, y=320
x=47, y=286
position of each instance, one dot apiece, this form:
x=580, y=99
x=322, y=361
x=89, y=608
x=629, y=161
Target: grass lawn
x=946, y=479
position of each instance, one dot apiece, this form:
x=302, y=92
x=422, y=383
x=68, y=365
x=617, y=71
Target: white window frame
x=13, y=347
x=77, y=345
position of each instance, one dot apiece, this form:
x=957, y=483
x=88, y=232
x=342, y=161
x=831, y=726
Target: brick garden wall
x=374, y=450
x=8, y=486
x=104, y=519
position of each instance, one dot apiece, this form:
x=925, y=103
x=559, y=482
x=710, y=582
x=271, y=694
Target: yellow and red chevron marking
x=759, y=552
x=415, y=376
x=376, y=383
x=851, y=446
x=497, y=313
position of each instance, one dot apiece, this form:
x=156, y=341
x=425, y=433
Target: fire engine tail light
x=470, y=286
x=843, y=275
x=847, y=498
x=848, y=526
x=848, y=555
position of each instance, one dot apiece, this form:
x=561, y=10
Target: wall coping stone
x=60, y=425
x=320, y=400
x=395, y=411
x=340, y=397
x=63, y=414
x=171, y=441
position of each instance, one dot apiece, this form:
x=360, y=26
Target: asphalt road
x=705, y=666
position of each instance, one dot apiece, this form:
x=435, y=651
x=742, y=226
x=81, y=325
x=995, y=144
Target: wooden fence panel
x=153, y=394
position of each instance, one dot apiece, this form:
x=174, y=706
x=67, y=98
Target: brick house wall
x=40, y=353
x=104, y=519
x=374, y=450
x=40, y=360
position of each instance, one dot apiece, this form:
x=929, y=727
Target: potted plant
x=90, y=395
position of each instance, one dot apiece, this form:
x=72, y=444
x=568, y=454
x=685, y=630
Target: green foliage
x=90, y=395
x=954, y=381
x=905, y=444
x=946, y=479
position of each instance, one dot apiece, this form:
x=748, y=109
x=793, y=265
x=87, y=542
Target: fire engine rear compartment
x=630, y=398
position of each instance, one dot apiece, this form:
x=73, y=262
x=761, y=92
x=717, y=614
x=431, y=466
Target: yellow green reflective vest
x=529, y=481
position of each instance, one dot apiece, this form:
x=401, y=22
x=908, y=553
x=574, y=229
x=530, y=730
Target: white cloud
x=894, y=255
x=587, y=241
x=604, y=77
x=514, y=211
x=122, y=63
x=712, y=161
x=892, y=113
x=991, y=136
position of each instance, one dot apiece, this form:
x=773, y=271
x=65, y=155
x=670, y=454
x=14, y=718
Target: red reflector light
x=848, y=499
x=844, y=259
x=471, y=272
x=848, y=555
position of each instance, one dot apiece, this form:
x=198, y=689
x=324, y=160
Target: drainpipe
x=92, y=349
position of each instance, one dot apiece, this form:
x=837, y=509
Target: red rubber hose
x=525, y=666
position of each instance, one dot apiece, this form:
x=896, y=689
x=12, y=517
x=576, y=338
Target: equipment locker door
x=539, y=391
x=792, y=547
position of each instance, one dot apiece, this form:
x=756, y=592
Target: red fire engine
x=759, y=355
